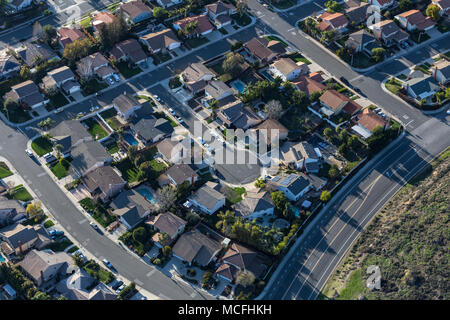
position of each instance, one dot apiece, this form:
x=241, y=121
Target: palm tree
x=58, y=148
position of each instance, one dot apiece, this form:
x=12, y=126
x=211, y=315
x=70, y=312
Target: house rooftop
x=150, y=127
x=370, y=120
x=125, y=102
x=203, y=23
x=194, y=246
x=196, y=71
x=181, y=172
x=102, y=179
x=135, y=8
x=285, y=65
x=207, y=195
x=254, y=201
x=167, y=222
x=161, y=39
x=217, y=88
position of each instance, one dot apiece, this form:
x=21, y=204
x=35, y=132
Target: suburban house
x=168, y=3
x=216, y=90
x=129, y=50
x=333, y=21
x=101, y=19
x=11, y=211
x=62, y=78
x=300, y=155
x=136, y=11
x=219, y=13
x=255, y=204
x=293, y=186
x=204, y=27
x=269, y=129
x=44, y=266
x=104, y=183
x=362, y=41
x=208, y=198
x=132, y=208
x=310, y=83
x=239, y=258
x=150, y=130
x=94, y=64
x=382, y=4
x=367, y=121
x=9, y=65
x=287, y=69
x=173, y=151
x=77, y=287
x=86, y=153
x=263, y=50
x=414, y=20
x=444, y=5
x=441, y=71
x=180, y=173
x=33, y=53
x=196, y=76
x=389, y=32
x=421, y=86
x=18, y=239
x=195, y=247
x=356, y=11
x=161, y=41
x=69, y=35
x=334, y=102
x=19, y=5
x=126, y=105
x=167, y=223
x=235, y=114
x=27, y=94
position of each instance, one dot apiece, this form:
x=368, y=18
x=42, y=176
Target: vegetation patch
x=20, y=193
x=95, y=129
x=277, y=39
x=126, y=71
x=4, y=171
x=42, y=145
x=60, y=169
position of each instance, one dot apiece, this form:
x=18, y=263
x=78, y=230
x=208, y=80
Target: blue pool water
x=147, y=194
x=130, y=139
x=296, y=211
x=266, y=74
x=1, y=258
x=239, y=86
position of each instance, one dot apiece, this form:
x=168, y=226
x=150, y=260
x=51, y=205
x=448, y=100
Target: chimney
x=42, y=276
x=193, y=178
x=434, y=72
x=20, y=247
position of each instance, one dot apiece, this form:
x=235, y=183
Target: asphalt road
x=319, y=250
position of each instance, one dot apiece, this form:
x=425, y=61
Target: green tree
x=78, y=49
x=245, y=278
x=166, y=196
x=328, y=133
x=259, y=183
x=241, y=7
x=333, y=172
x=114, y=32
x=405, y=5
x=273, y=109
x=325, y=196
x=9, y=106
x=233, y=64
x=140, y=234
x=333, y=6
x=279, y=200
x=160, y=13
x=25, y=73
x=314, y=96
x=166, y=251
x=49, y=33
x=433, y=11
x=378, y=54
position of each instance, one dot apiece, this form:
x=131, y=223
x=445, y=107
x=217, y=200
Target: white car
x=157, y=98
x=180, y=120
x=187, y=204
x=110, y=80
x=29, y=153
x=448, y=111
x=116, y=77
x=171, y=111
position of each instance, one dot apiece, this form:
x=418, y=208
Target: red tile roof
x=68, y=35
x=203, y=23
x=370, y=120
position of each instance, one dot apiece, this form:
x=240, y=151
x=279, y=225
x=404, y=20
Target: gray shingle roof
x=194, y=246
x=150, y=127
x=207, y=196
x=131, y=206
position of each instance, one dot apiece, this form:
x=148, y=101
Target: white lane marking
x=139, y=282
x=41, y=174
x=193, y=294
x=151, y=272
x=82, y=221
x=163, y=296
x=409, y=123
x=405, y=117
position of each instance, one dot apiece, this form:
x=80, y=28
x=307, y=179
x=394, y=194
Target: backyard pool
x=296, y=211
x=267, y=75
x=130, y=139
x=239, y=86
x=147, y=194
x=1, y=258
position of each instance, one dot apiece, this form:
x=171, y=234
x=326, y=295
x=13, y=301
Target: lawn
x=110, y=117
x=112, y=148
x=296, y=57
x=242, y=21
x=17, y=116
x=393, y=85
x=60, y=169
x=196, y=42
x=126, y=71
x=99, y=212
x=277, y=39
x=361, y=60
x=86, y=23
x=234, y=195
x=92, y=86
x=56, y=101
x=21, y=194
x=423, y=37
x=161, y=57
x=42, y=145
x=4, y=171
x=59, y=246
x=49, y=223
x=94, y=269
x=95, y=129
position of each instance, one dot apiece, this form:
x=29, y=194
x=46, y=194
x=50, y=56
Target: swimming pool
x=296, y=211
x=130, y=139
x=146, y=193
x=239, y=86
x=267, y=75
x=1, y=258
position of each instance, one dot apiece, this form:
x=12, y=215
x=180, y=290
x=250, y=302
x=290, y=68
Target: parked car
x=29, y=153
x=116, y=77
x=180, y=119
x=110, y=80
x=171, y=111
x=120, y=288
x=157, y=98
x=93, y=225
x=107, y=263
x=448, y=111
x=117, y=285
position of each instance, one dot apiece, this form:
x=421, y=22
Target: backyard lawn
x=20, y=193
x=234, y=195
x=95, y=129
x=42, y=145
x=4, y=171
x=18, y=115
x=99, y=212
x=126, y=71
x=128, y=170
x=86, y=23
x=60, y=169
x=110, y=117
x=112, y=147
